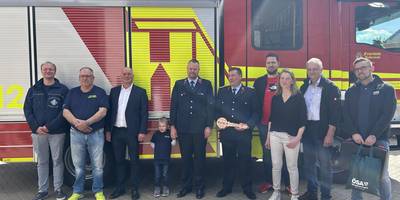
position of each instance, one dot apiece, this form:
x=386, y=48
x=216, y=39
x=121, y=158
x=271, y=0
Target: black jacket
x=45, y=108
x=239, y=108
x=381, y=110
x=136, y=114
x=192, y=110
x=329, y=113
x=259, y=86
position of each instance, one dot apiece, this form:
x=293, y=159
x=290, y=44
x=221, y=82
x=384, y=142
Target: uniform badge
x=53, y=102
x=375, y=93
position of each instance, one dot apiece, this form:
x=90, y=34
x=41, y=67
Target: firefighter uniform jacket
x=192, y=108
x=237, y=108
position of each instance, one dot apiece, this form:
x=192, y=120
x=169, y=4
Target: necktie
x=192, y=85
x=234, y=91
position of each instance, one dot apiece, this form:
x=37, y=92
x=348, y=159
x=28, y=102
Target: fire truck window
x=378, y=26
x=276, y=24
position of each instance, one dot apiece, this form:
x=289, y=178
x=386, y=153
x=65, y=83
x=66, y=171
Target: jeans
x=41, y=145
x=81, y=144
x=386, y=185
x=278, y=141
x=161, y=173
x=267, y=158
x=313, y=152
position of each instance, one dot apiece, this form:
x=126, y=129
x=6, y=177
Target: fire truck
x=156, y=38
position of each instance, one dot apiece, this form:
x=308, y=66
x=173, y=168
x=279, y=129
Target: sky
x=382, y=31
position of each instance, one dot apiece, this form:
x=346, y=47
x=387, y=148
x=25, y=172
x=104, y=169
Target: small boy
x=162, y=144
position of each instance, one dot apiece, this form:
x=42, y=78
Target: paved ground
x=18, y=182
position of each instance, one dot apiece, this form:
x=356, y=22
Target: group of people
x=284, y=114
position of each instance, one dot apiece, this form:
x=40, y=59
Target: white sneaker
x=275, y=196
x=294, y=197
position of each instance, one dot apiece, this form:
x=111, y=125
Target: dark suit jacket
x=136, y=114
x=192, y=110
x=329, y=113
x=239, y=108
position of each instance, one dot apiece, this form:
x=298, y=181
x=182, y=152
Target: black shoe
x=60, y=195
x=199, y=194
x=183, y=192
x=250, y=194
x=41, y=196
x=135, y=194
x=308, y=196
x=223, y=193
x=117, y=193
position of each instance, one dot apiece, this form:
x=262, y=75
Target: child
x=162, y=144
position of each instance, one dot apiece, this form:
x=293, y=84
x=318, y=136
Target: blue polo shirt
x=162, y=146
x=84, y=105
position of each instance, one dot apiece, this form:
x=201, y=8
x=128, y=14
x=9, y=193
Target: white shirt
x=313, y=100
x=122, y=102
x=194, y=80
x=237, y=88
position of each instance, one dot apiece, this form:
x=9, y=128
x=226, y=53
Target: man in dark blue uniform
x=238, y=104
x=191, y=120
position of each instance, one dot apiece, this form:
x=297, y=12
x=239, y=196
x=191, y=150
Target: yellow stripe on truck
x=16, y=160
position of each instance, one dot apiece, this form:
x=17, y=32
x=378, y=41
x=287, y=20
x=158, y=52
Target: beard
x=365, y=77
x=275, y=72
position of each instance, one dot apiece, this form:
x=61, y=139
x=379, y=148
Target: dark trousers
x=267, y=161
x=120, y=140
x=315, y=152
x=236, y=147
x=161, y=173
x=193, y=152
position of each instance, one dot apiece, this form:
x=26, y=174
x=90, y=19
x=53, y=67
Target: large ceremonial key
x=222, y=123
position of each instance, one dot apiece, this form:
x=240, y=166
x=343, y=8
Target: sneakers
x=288, y=189
x=308, y=196
x=41, y=196
x=99, y=196
x=60, y=195
x=75, y=196
x=157, y=192
x=264, y=188
x=275, y=196
x=165, y=191
x=294, y=197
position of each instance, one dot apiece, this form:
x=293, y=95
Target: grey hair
x=316, y=61
x=88, y=68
